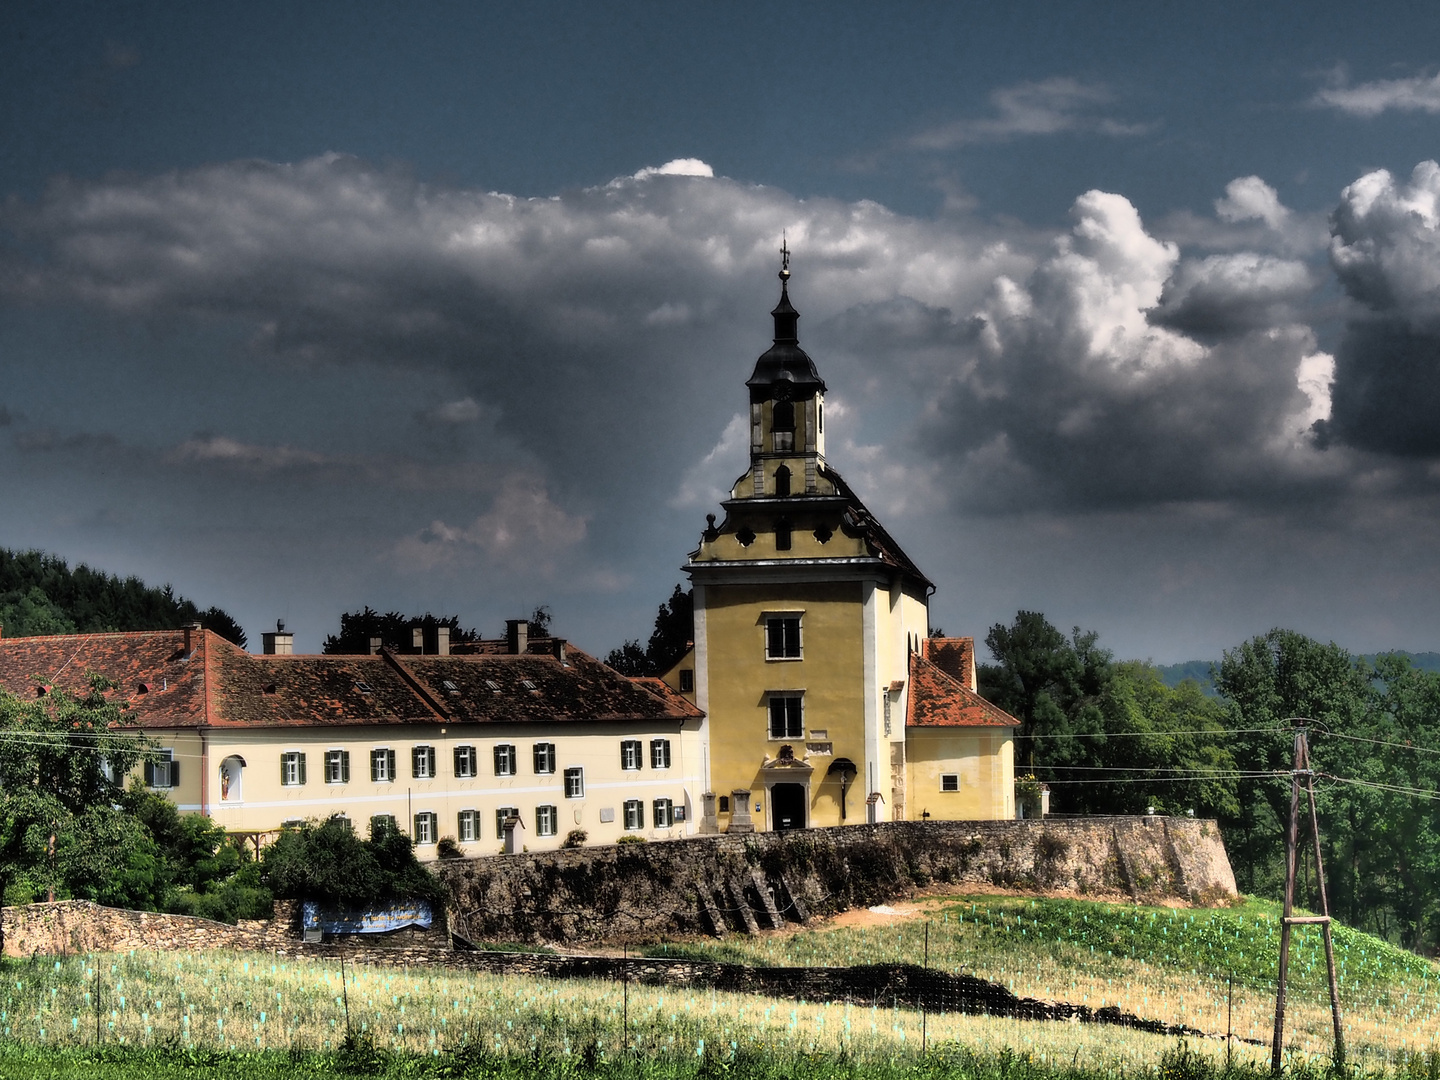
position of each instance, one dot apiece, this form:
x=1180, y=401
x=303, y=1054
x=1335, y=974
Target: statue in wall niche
x=224, y=783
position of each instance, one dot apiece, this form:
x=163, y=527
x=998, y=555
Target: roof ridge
x=413, y=681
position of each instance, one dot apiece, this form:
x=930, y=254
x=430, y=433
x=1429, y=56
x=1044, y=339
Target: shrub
x=630, y=839
x=575, y=838
x=447, y=848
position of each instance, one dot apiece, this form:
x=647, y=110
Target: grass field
x=1156, y=963
x=1177, y=965
x=256, y=1003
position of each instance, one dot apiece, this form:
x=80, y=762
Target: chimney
x=558, y=646
x=518, y=633
x=192, y=637
x=442, y=640
x=417, y=638
x=375, y=644
x=279, y=642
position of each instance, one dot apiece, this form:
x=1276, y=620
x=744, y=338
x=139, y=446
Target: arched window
x=782, y=534
x=782, y=424
x=782, y=481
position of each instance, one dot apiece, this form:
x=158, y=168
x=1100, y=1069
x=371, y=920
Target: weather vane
x=784, y=258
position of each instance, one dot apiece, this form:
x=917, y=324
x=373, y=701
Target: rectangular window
x=547, y=821
x=163, y=771
x=664, y=811
x=782, y=637
x=504, y=759
x=381, y=825
x=786, y=716
x=949, y=781
x=659, y=753
x=575, y=783
x=467, y=765
x=544, y=758
x=634, y=814
x=630, y=754
x=467, y=825
x=292, y=768
x=382, y=766
x=337, y=766
x=425, y=827
x=422, y=762
x=502, y=815
x=687, y=681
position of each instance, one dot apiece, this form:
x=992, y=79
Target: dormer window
x=782, y=481
x=142, y=688
x=782, y=425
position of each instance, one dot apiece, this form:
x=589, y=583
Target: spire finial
x=784, y=258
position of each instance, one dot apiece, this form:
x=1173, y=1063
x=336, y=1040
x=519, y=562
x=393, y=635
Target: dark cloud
x=1224, y=295
x=1081, y=390
x=1386, y=253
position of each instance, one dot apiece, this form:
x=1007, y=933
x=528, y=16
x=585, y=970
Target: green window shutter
x=302, y=767
x=283, y=778
x=374, y=767
x=459, y=771
x=174, y=773
x=430, y=760
x=414, y=761
x=344, y=766
x=390, y=763
x=149, y=773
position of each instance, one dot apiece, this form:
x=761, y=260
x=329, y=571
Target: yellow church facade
x=826, y=702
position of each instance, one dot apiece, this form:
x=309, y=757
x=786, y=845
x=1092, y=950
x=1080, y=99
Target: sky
x=1129, y=312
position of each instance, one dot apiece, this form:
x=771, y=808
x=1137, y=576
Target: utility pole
x=1302, y=770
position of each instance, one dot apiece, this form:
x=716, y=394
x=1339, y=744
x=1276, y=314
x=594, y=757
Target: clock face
x=784, y=390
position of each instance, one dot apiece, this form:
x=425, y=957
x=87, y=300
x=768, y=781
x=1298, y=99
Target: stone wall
x=719, y=884
x=66, y=927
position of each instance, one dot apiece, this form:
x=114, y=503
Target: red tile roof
x=939, y=700
x=221, y=685
x=955, y=656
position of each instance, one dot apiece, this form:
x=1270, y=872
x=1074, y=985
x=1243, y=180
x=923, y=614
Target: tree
x=672, y=637
x=1265, y=682
x=395, y=631
x=326, y=861
x=41, y=594
x=1111, y=736
x=62, y=830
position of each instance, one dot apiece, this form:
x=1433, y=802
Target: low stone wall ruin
x=718, y=884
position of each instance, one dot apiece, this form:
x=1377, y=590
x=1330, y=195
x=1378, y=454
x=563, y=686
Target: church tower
x=806, y=615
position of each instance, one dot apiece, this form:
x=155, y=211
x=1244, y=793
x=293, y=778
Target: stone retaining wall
x=718, y=884
x=67, y=927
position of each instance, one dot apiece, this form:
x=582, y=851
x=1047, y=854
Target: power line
x=1383, y=742
x=1218, y=733
x=1415, y=793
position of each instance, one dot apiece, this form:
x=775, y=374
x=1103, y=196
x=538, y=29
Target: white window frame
x=632, y=755
x=949, y=781
x=780, y=618
x=426, y=826
x=634, y=814
x=575, y=782
x=422, y=762
x=467, y=826
x=663, y=812
x=659, y=753
x=292, y=768
x=505, y=759
x=164, y=759
x=467, y=762
x=547, y=820
x=787, y=734
x=542, y=756
x=382, y=765
x=337, y=766
x=382, y=817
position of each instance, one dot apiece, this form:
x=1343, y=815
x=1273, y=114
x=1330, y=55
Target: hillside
x=1199, y=670
x=1169, y=964
x=42, y=594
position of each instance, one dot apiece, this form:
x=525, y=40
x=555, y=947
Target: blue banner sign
x=312, y=917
